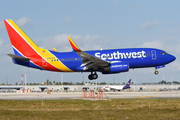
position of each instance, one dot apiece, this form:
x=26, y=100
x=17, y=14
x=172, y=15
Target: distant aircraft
x=117, y=87
x=28, y=54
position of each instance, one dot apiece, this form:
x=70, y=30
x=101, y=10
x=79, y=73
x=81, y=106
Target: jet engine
x=116, y=68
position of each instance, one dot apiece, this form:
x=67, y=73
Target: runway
x=77, y=95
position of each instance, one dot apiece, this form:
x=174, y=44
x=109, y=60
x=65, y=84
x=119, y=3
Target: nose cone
x=172, y=58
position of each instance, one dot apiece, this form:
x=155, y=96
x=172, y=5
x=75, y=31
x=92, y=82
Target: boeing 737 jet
x=28, y=54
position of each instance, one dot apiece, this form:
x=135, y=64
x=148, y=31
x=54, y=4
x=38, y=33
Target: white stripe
x=29, y=44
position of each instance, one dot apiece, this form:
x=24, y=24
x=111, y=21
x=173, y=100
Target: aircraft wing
x=88, y=60
x=16, y=57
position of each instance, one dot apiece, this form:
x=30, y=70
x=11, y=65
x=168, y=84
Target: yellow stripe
x=58, y=64
x=46, y=54
x=23, y=34
x=144, y=96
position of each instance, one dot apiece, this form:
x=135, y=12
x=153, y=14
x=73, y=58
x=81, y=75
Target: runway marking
x=144, y=96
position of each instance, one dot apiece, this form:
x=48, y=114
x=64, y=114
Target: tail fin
x=73, y=45
x=127, y=86
x=21, y=43
x=27, y=53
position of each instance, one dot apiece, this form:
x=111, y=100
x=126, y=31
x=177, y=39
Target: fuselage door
x=44, y=63
x=153, y=52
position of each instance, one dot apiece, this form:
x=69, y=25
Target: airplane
x=112, y=61
x=117, y=87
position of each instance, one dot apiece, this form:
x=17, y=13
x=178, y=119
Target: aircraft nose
x=172, y=58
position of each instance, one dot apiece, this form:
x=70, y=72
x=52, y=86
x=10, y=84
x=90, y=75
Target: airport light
x=62, y=80
x=127, y=78
x=22, y=79
x=134, y=84
x=96, y=84
x=171, y=84
x=25, y=80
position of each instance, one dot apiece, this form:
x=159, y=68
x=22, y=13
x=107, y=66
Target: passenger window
x=75, y=58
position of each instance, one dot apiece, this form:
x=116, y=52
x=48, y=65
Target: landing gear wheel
x=156, y=72
x=90, y=77
x=93, y=76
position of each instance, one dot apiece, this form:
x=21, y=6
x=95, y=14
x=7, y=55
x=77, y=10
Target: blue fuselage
x=136, y=57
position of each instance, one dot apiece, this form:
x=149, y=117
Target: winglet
x=73, y=45
x=54, y=49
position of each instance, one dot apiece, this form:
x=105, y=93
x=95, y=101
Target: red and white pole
x=22, y=79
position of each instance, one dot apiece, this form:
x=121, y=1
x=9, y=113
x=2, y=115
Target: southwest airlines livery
x=28, y=54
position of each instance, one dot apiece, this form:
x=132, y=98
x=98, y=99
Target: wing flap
x=89, y=61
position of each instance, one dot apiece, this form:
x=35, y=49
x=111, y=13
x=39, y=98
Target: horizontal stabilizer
x=16, y=57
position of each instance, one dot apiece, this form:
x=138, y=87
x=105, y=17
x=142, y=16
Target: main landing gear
x=93, y=76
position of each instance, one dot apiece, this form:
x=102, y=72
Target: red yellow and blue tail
x=23, y=46
x=74, y=46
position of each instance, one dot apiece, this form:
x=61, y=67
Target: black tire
x=90, y=77
x=95, y=76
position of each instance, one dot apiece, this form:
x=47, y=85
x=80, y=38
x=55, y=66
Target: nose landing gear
x=93, y=76
x=156, y=72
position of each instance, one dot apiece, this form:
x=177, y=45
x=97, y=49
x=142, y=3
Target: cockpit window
x=163, y=53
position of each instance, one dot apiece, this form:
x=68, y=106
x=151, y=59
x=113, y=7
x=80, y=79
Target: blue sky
x=93, y=25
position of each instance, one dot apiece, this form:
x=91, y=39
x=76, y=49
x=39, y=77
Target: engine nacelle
x=116, y=68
